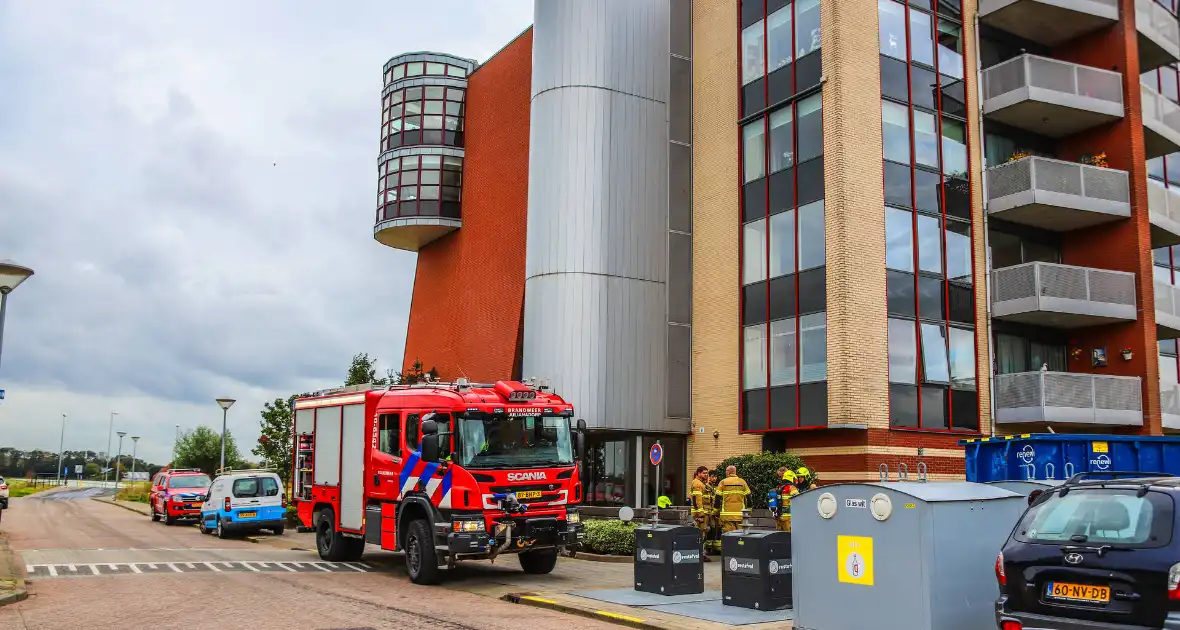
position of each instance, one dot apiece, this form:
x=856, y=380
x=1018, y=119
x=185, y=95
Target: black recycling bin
x=668, y=560
x=756, y=569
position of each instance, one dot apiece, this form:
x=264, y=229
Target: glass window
x=934, y=356
x=1168, y=372
x=950, y=49
x=811, y=236
x=1168, y=83
x=1155, y=167
x=927, y=187
x=962, y=358
x=899, y=239
x=754, y=150
x=903, y=352
x=896, y=131
x=399, y=72
x=782, y=139
x=752, y=52
x=807, y=31
x=247, y=487
x=921, y=38
x=389, y=435
x=782, y=243
x=754, y=353
x=456, y=71
x=1100, y=516
x=754, y=251
x=813, y=347
x=414, y=69
x=778, y=36
x=925, y=139
x=954, y=148
x=436, y=68
x=892, y=29
x=958, y=251
x=454, y=94
x=782, y=352
x=811, y=129
x=1162, y=274
x=929, y=244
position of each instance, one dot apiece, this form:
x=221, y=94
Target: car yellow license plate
x=1078, y=592
x=247, y=514
x=529, y=494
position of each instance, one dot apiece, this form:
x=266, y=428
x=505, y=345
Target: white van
x=244, y=501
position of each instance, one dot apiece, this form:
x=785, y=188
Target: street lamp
x=225, y=403
x=117, y=458
x=134, y=450
x=175, y=445
x=11, y=275
x=60, y=447
x=110, y=429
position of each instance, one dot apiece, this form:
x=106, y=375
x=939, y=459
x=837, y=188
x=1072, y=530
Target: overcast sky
x=194, y=185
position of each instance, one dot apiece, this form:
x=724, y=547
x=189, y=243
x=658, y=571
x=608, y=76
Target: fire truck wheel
x=421, y=560
x=331, y=544
x=538, y=562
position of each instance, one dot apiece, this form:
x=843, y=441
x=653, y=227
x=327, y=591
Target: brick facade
x=467, y=309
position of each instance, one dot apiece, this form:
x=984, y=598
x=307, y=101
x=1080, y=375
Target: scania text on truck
x=441, y=471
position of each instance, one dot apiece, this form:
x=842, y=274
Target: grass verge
x=134, y=492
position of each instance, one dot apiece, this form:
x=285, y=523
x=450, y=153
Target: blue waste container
x=1060, y=456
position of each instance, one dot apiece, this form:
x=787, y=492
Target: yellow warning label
x=855, y=557
x=1099, y=447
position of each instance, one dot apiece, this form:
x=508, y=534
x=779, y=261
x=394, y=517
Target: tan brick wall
x=716, y=325
x=975, y=150
x=858, y=365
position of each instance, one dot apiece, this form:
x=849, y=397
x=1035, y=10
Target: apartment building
x=860, y=230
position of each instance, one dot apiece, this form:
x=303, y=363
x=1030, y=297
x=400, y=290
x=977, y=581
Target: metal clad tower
x=596, y=286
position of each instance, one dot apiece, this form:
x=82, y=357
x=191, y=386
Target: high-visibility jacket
x=731, y=496
x=701, y=502
x=785, y=493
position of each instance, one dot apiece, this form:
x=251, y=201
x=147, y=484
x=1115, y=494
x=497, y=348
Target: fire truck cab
x=441, y=471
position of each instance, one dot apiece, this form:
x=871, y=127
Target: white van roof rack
x=226, y=471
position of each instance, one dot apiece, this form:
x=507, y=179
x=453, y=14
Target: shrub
x=609, y=537
x=759, y=471
x=134, y=492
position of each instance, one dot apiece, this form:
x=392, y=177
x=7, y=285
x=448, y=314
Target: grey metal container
x=904, y=556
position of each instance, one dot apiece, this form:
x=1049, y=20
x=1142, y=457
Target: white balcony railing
x=1170, y=404
x=1160, y=44
x=1068, y=397
x=1057, y=195
x=1163, y=210
x=1050, y=96
x=1161, y=122
x=1062, y=296
x=1167, y=310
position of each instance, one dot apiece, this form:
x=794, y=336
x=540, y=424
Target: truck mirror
x=429, y=448
x=581, y=425
x=580, y=445
x=429, y=427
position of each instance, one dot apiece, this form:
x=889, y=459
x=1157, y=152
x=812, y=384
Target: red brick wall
x=1121, y=245
x=466, y=313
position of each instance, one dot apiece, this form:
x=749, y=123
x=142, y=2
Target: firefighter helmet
x=789, y=476
x=803, y=472
x=663, y=502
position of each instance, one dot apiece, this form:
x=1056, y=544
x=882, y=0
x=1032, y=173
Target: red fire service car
x=177, y=494
x=443, y=471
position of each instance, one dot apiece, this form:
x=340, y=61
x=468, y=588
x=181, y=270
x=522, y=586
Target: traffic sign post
x=656, y=455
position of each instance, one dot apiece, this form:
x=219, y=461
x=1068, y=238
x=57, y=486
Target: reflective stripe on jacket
x=732, y=493
x=700, y=504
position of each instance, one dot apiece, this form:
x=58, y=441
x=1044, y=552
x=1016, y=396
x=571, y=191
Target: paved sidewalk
x=12, y=585
x=134, y=506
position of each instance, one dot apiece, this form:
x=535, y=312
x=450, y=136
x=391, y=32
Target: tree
x=413, y=375
x=93, y=470
x=274, y=445
x=201, y=448
x=363, y=370
x=759, y=470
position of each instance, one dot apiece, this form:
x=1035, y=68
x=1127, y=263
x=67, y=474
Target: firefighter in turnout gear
x=713, y=539
x=782, y=520
x=730, y=498
x=804, y=479
x=702, y=508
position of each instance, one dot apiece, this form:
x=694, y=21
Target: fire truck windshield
x=499, y=441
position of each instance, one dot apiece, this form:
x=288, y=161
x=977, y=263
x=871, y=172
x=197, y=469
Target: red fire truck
x=442, y=471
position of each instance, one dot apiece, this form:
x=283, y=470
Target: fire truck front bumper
x=468, y=542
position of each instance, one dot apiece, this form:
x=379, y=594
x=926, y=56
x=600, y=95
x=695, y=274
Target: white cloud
x=194, y=186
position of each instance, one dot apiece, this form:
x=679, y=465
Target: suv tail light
x=1174, y=582
x=1001, y=577
x=284, y=501
x=227, y=504
x=3, y=486
x=1011, y=625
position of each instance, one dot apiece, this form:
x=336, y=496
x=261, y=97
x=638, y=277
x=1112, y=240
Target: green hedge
x=609, y=537
x=759, y=471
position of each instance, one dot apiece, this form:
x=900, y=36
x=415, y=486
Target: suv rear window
x=1105, y=516
x=255, y=487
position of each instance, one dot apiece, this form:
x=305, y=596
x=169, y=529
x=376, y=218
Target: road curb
x=597, y=557
x=528, y=599
x=18, y=595
x=145, y=511
x=11, y=569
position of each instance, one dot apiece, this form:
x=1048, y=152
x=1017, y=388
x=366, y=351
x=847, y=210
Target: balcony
x=1049, y=22
x=1159, y=35
x=1170, y=405
x=1068, y=398
x=1050, y=97
x=1061, y=296
x=1161, y=124
x=1167, y=311
x=1163, y=210
x=412, y=232
x=1057, y=195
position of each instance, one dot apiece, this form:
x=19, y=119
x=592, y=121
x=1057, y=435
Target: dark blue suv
x=1094, y=554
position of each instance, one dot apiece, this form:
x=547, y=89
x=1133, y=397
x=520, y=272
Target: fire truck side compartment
x=327, y=446
x=352, y=468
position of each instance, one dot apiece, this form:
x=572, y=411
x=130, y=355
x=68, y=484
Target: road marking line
x=353, y=567
x=365, y=565
x=210, y=565
x=94, y=569
x=52, y=570
x=247, y=565
x=29, y=568
x=618, y=616
x=134, y=568
x=320, y=566
x=72, y=568
x=175, y=568
x=261, y=564
x=190, y=565
x=538, y=599
x=228, y=564
x=151, y=566
x=113, y=567
x=280, y=564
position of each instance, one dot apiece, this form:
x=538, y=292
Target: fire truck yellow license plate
x=1078, y=592
x=529, y=494
x=247, y=514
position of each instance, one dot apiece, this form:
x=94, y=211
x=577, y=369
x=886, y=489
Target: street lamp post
x=225, y=403
x=110, y=429
x=61, y=447
x=117, y=458
x=11, y=275
x=134, y=450
x=175, y=445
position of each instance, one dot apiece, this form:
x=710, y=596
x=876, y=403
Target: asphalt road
x=95, y=565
